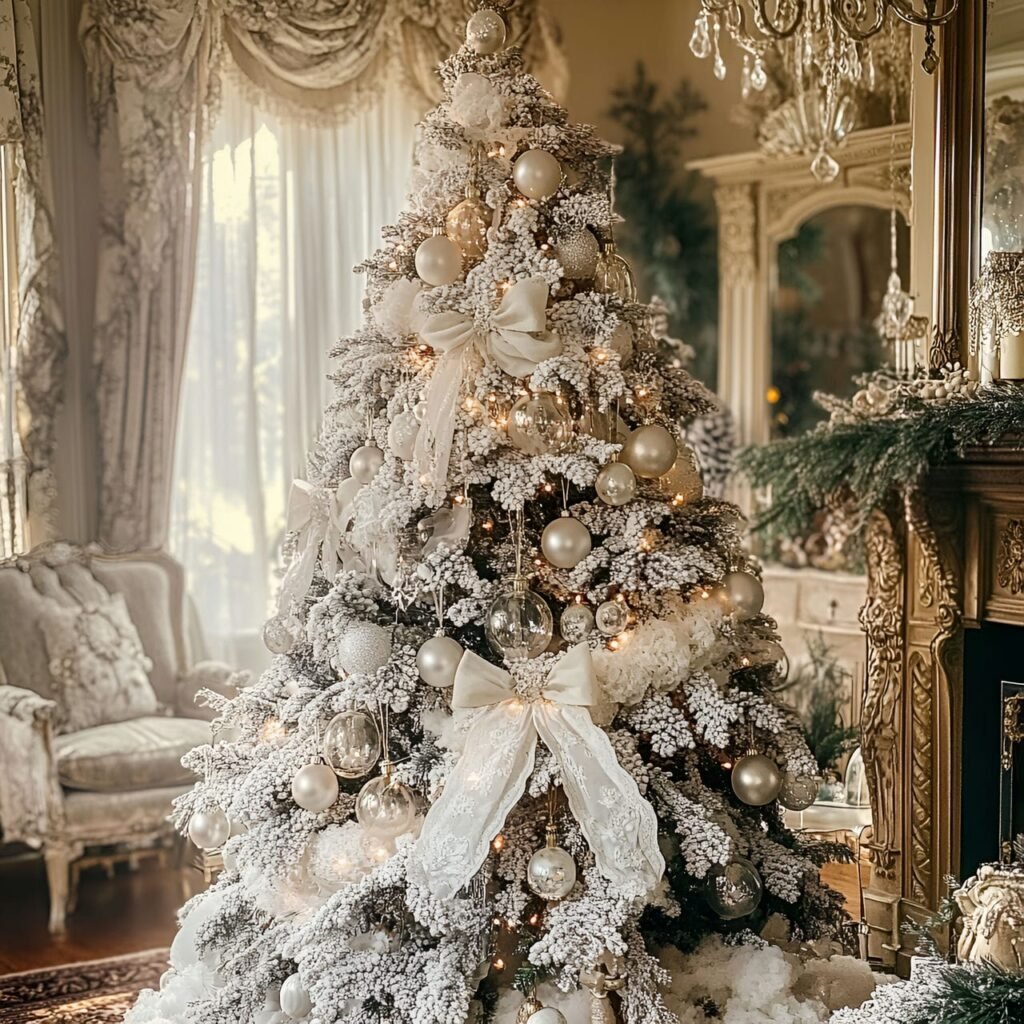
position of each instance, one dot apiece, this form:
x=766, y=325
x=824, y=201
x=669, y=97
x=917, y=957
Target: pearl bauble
x=402, y=435
x=467, y=223
x=295, y=999
x=565, y=542
x=438, y=260
x=437, y=659
x=576, y=623
x=485, y=32
x=578, y=253
x=650, y=451
x=551, y=873
x=612, y=617
x=539, y=423
x=616, y=484
x=798, y=792
x=546, y=1015
x=352, y=743
x=537, y=174
x=315, y=787
x=365, y=462
x=756, y=779
x=362, y=648
x=386, y=807
x=519, y=623
x=209, y=829
x=733, y=890
x=745, y=593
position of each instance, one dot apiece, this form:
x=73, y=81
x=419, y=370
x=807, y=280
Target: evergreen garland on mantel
x=883, y=440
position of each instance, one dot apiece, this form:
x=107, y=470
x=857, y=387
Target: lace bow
x=513, y=336
x=491, y=776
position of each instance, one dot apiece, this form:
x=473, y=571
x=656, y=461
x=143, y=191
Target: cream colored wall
x=603, y=41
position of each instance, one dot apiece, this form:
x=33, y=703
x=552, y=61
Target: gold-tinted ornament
x=578, y=252
x=467, y=223
x=612, y=275
x=683, y=482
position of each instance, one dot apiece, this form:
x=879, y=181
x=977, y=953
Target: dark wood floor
x=135, y=911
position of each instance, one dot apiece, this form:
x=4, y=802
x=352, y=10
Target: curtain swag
x=154, y=71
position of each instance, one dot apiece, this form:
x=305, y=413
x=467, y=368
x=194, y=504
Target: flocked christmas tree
x=519, y=736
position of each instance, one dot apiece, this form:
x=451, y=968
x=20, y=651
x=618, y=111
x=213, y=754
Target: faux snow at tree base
x=439, y=810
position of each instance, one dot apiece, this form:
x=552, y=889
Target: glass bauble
x=578, y=252
x=897, y=305
x=733, y=890
x=365, y=462
x=756, y=780
x=684, y=481
x=352, y=744
x=294, y=998
x=539, y=423
x=551, y=873
x=605, y=426
x=612, y=617
x=279, y=634
x=519, y=622
x=315, y=787
x=745, y=594
x=537, y=174
x=616, y=484
x=856, y=781
x=438, y=260
x=798, y=792
x=209, y=829
x=565, y=542
x=466, y=225
x=485, y=32
x=650, y=451
x=612, y=275
x=576, y=623
x=437, y=659
x=546, y=1015
x=386, y=807
x=402, y=434
x=362, y=648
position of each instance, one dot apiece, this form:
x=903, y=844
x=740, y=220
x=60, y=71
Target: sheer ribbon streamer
x=513, y=336
x=619, y=824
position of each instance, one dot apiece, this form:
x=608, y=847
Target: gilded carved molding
x=1010, y=560
x=919, y=671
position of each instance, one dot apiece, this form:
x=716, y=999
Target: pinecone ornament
x=713, y=438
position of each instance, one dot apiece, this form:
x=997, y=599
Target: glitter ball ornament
x=576, y=623
x=650, y=451
x=537, y=174
x=402, y=435
x=209, y=829
x=362, y=648
x=733, y=890
x=438, y=260
x=546, y=1015
x=745, y=594
x=278, y=635
x=539, y=423
x=365, y=462
x=565, y=542
x=551, y=872
x=683, y=481
x=315, y=787
x=294, y=998
x=756, y=779
x=612, y=275
x=385, y=806
x=578, y=253
x=612, y=617
x=616, y=484
x=437, y=659
x=519, y=623
x=351, y=744
x=485, y=32
x=466, y=225
x=798, y=791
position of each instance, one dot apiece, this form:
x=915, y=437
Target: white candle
x=1011, y=359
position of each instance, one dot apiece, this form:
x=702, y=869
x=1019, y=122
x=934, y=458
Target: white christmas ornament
x=565, y=542
x=362, y=648
x=209, y=829
x=437, y=659
x=485, y=32
x=650, y=451
x=438, y=260
x=537, y=174
x=315, y=787
x=477, y=105
x=365, y=462
x=402, y=435
x=278, y=635
x=294, y=998
x=546, y=1015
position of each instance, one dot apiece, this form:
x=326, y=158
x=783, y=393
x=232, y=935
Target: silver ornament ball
x=576, y=623
x=612, y=617
x=537, y=174
x=278, y=635
x=209, y=829
x=294, y=998
x=386, y=807
x=565, y=542
x=485, y=32
x=315, y=787
x=438, y=260
x=365, y=462
x=616, y=484
x=546, y=1015
x=519, y=623
x=756, y=780
x=551, y=873
x=733, y=890
x=362, y=648
x=745, y=594
x=437, y=659
x=539, y=423
x=351, y=744
x=578, y=253
x=650, y=451
x=798, y=792
x=402, y=435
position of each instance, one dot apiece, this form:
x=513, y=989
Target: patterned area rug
x=94, y=992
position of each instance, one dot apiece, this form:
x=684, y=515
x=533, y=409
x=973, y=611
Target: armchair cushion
x=138, y=754
x=99, y=669
x=29, y=792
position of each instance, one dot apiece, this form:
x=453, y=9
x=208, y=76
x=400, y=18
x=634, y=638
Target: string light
x=498, y=964
x=487, y=525
x=498, y=843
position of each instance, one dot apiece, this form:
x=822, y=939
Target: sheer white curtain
x=287, y=210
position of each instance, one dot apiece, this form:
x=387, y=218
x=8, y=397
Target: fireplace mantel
x=947, y=558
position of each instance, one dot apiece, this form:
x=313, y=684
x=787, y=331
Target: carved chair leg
x=58, y=859
x=75, y=875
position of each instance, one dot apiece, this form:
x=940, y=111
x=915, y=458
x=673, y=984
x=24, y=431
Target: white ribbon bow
x=513, y=336
x=495, y=766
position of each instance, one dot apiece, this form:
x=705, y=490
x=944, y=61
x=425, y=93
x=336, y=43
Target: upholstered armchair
x=90, y=749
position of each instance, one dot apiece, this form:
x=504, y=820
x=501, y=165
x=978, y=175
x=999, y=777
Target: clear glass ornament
x=351, y=744
x=616, y=484
x=684, y=481
x=385, y=806
x=551, y=873
x=857, y=781
x=758, y=75
x=519, y=622
x=485, y=31
x=467, y=223
x=897, y=305
x=576, y=623
x=612, y=617
x=798, y=792
x=539, y=423
x=279, y=634
x=733, y=890
x=612, y=275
